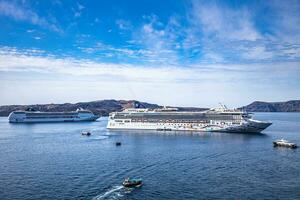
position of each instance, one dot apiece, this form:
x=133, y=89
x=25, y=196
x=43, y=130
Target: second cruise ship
x=169, y=119
x=30, y=116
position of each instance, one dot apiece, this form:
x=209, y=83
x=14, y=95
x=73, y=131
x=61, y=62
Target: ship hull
x=51, y=120
x=251, y=126
x=170, y=119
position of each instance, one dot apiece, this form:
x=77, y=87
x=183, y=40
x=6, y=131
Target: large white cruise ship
x=36, y=116
x=170, y=119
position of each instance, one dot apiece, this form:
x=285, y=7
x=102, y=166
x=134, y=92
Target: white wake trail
x=102, y=196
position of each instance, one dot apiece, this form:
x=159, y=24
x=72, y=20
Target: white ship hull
x=250, y=126
x=51, y=120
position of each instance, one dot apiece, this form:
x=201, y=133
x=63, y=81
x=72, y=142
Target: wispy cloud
x=20, y=13
x=123, y=24
x=234, y=36
x=223, y=22
x=13, y=59
x=151, y=43
x=151, y=83
x=285, y=20
x=210, y=33
x=78, y=10
x=37, y=38
x=154, y=38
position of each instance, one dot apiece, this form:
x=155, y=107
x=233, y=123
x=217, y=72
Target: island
x=104, y=107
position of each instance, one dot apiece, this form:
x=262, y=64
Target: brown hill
x=101, y=107
x=260, y=106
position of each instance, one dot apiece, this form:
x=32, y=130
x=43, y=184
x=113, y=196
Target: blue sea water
x=54, y=161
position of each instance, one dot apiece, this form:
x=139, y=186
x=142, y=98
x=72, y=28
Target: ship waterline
x=170, y=119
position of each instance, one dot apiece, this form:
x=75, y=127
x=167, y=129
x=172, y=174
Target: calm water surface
x=54, y=161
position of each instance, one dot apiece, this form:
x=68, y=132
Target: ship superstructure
x=221, y=119
x=37, y=116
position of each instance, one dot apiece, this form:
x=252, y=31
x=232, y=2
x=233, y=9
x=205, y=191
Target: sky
x=180, y=53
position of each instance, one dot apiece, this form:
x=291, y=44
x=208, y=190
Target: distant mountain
x=102, y=107
x=260, y=106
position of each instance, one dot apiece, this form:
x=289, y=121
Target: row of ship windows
x=164, y=121
x=186, y=124
x=45, y=117
x=179, y=116
x=158, y=124
x=46, y=114
x=122, y=121
x=175, y=121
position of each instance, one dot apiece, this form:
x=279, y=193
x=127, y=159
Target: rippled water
x=54, y=161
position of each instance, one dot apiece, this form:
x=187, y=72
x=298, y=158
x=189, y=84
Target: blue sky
x=186, y=53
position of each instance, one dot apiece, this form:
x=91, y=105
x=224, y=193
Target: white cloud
x=30, y=31
x=212, y=57
x=218, y=33
x=224, y=23
x=153, y=43
x=258, y=53
x=78, y=11
x=20, y=13
x=123, y=24
x=12, y=59
x=164, y=84
x=157, y=41
x=209, y=33
x=286, y=20
x=292, y=52
x=80, y=7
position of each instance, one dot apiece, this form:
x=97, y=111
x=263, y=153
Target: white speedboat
x=284, y=143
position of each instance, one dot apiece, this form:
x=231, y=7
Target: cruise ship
x=171, y=119
x=31, y=115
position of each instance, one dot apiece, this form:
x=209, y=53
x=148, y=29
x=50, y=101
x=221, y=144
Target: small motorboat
x=118, y=143
x=87, y=133
x=132, y=182
x=284, y=143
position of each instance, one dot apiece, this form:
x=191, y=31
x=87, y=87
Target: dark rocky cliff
x=260, y=106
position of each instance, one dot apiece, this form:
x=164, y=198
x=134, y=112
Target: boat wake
x=113, y=193
x=101, y=137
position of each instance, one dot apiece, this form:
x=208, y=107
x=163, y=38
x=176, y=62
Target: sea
x=54, y=161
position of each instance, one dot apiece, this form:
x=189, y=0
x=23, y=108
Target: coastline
x=104, y=107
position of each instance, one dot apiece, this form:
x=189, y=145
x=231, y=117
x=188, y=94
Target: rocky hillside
x=260, y=106
x=102, y=107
